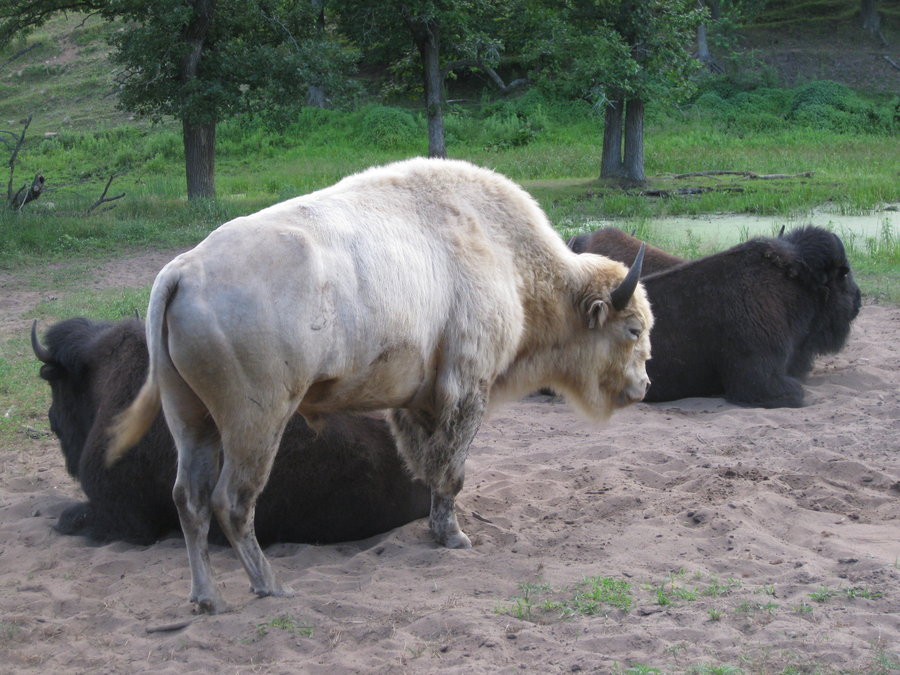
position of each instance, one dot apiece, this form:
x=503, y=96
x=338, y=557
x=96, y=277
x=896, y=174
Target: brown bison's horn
x=40, y=350
x=625, y=290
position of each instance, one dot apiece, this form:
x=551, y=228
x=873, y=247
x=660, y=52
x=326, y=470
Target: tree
x=870, y=20
x=202, y=61
x=724, y=16
x=445, y=35
x=620, y=55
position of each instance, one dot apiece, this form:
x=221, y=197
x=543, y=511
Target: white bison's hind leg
x=436, y=450
x=245, y=471
x=198, y=468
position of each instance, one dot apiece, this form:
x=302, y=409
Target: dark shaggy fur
x=348, y=483
x=748, y=323
x=616, y=244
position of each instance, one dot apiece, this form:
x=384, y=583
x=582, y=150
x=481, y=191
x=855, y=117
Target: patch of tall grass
x=24, y=397
x=552, y=147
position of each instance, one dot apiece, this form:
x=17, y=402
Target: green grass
x=593, y=595
x=24, y=397
x=78, y=139
x=284, y=623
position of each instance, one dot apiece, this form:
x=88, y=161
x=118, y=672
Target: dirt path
x=18, y=296
x=746, y=540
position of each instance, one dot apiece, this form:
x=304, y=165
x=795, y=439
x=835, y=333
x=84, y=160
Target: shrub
x=825, y=93
x=388, y=128
x=507, y=131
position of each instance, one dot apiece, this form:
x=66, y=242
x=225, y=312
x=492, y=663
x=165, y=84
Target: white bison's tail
x=131, y=424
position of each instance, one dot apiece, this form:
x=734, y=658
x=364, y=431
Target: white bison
x=433, y=288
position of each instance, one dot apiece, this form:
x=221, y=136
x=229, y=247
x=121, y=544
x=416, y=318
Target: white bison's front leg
x=443, y=523
x=435, y=449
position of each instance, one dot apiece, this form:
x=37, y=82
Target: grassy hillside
x=61, y=75
x=78, y=140
x=822, y=40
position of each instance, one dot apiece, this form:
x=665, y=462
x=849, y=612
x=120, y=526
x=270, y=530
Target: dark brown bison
x=347, y=483
x=746, y=323
x=614, y=243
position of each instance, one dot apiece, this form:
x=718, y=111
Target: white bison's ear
x=597, y=311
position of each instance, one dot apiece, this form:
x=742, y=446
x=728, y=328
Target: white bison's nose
x=635, y=391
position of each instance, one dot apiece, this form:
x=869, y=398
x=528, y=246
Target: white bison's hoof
x=457, y=540
x=210, y=605
x=276, y=591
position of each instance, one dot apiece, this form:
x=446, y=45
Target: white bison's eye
x=635, y=333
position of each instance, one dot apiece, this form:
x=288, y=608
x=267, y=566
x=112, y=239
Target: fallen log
x=28, y=194
x=746, y=174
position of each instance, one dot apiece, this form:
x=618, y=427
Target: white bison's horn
x=40, y=350
x=625, y=290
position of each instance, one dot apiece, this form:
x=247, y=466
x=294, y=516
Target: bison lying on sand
x=746, y=323
x=618, y=245
x=346, y=484
x=430, y=287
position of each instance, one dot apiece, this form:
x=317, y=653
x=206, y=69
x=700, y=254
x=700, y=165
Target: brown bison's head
x=827, y=271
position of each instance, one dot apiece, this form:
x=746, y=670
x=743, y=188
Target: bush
x=388, y=128
x=825, y=93
x=712, y=101
x=507, y=131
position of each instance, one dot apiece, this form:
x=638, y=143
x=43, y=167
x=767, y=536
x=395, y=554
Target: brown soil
x=774, y=535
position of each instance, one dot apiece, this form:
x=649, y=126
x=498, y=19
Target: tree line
x=203, y=61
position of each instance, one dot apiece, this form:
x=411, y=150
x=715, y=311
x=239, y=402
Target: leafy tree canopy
x=592, y=49
x=257, y=55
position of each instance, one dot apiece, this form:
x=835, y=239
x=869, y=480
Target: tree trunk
x=426, y=35
x=703, y=53
x=702, y=44
x=199, y=137
x=868, y=15
x=634, y=140
x=611, y=156
x=315, y=96
x=200, y=159
x=870, y=20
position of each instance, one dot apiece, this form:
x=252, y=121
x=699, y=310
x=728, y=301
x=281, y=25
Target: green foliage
x=389, y=128
x=497, y=131
x=597, y=592
x=286, y=624
x=602, y=50
x=826, y=105
x=594, y=595
x=824, y=93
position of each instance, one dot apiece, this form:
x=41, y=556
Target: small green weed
x=709, y=669
x=717, y=588
x=523, y=607
x=9, y=630
x=886, y=662
x=601, y=591
x=285, y=623
x=747, y=607
x=639, y=669
x=670, y=591
x=866, y=593
x=593, y=595
x=822, y=594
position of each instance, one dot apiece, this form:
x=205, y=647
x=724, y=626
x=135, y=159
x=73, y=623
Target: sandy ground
x=761, y=540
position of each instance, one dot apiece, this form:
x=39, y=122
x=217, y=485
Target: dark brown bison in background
x=746, y=323
x=347, y=483
x=614, y=243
